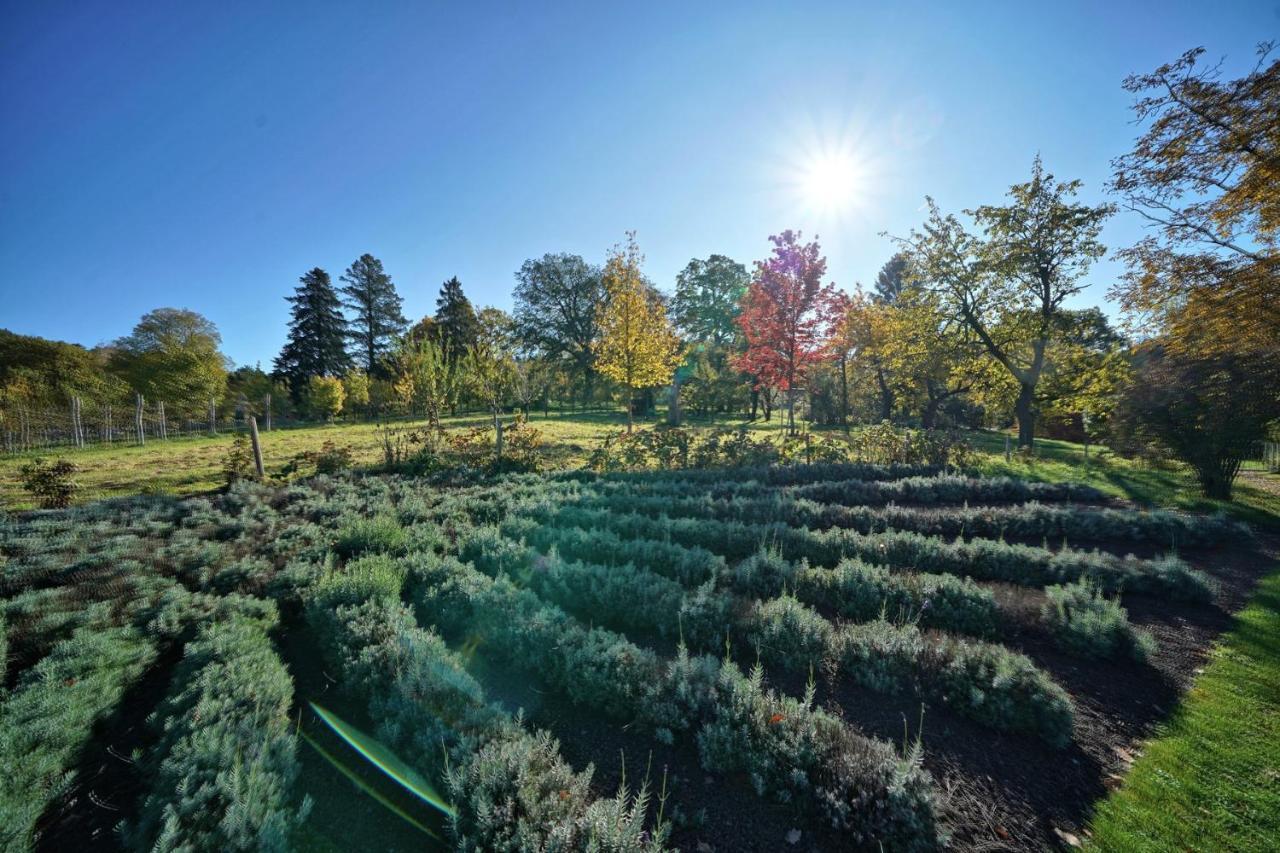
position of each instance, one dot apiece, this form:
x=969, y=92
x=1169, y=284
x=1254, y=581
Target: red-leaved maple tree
x=787, y=314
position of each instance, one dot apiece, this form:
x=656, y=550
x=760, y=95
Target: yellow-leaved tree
x=637, y=346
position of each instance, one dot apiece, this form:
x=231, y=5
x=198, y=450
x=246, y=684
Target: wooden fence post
x=266, y=410
x=213, y=418
x=257, y=448
x=164, y=422
x=137, y=421
x=1006, y=449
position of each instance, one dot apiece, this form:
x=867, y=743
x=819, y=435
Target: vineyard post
x=137, y=421
x=257, y=448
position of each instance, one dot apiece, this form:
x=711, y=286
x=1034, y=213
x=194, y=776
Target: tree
x=1209, y=410
x=708, y=297
x=1206, y=175
x=35, y=371
x=317, y=334
x=325, y=396
x=455, y=320
x=786, y=316
x=891, y=280
x=355, y=385
x=637, y=346
x=1009, y=286
x=172, y=355
x=370, y=293
x=427, y=380
x=490, y=365
x=557, y=300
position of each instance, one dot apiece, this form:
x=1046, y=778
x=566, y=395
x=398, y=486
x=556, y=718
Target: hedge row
x=799, y=754
x=982, y=559
x=509, y=789
x=223, y=770
x=1031, y=520
x=936, y=489
x=972, y=678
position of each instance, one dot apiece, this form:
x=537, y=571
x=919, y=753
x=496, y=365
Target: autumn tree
x=1203, y=288
x=325, y=396
x=172, y=355
x=427, y=380
x=557, y=303
x=786, y=316
x=318, y=332
x=1008, y=285
x=370, y=293
x=637, y=346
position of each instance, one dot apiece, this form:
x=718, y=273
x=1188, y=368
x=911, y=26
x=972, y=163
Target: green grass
x=1211, y=779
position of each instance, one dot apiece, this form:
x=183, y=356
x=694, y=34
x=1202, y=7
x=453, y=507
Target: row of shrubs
x=938, y=488
x=50, y=717
x=1030, y=520
x=222, y=772
x=508, y=789
x=981, y=559
x=981, y=680
x=853, y=589
x=792, y=751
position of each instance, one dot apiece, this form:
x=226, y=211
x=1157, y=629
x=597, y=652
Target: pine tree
x=317, y=334
x=369, y=292
x=456, y=321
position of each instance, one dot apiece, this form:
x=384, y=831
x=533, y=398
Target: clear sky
x=204, y=155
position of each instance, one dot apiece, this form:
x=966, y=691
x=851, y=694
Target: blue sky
x=205, y=155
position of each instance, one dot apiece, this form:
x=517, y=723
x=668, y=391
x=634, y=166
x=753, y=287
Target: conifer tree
x=456, y=323
x=370, y=293
x=317, y=334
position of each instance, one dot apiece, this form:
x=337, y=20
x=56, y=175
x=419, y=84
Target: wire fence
x=79, y=425
x=1268, y=453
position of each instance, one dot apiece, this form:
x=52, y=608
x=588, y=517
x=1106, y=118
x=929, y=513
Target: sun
x=830, y=182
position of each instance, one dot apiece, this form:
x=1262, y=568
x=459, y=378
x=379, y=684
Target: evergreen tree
x=317, y=334
x=891, y=280
x=456, y=322
x=369, y=292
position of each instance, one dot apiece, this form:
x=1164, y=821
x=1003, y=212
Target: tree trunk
x=886, y=396
x=1024, y=409
x=630, y=405
x=844, y=393
x=673, y=407
x=791, y=411
x=929, y=417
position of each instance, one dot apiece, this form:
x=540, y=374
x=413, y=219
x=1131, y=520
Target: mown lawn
x=1211, y=779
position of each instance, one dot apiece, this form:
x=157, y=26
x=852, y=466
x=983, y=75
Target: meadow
x=827, y=656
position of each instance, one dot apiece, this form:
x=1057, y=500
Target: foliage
x=1008, y=287
x=637, y=346
x=172, y=355
x=885, y=444
x=428, y=381
x=52, y=484
x=456, y=328
x=316, y=345
x=707, y=299
x=1082, y=620
x=557, y=300
x=369, y=292
x=355, y=387
x=325, y=396
x=377, y=534
x=1207, y=410
x=786, y=316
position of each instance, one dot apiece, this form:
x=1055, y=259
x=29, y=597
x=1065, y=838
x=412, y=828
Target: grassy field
x=194, y=465
x=1211, y=780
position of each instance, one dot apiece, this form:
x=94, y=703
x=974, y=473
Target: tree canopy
x=369, y=292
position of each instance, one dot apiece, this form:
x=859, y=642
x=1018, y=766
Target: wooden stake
x=257, y=448
x=141, y=435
